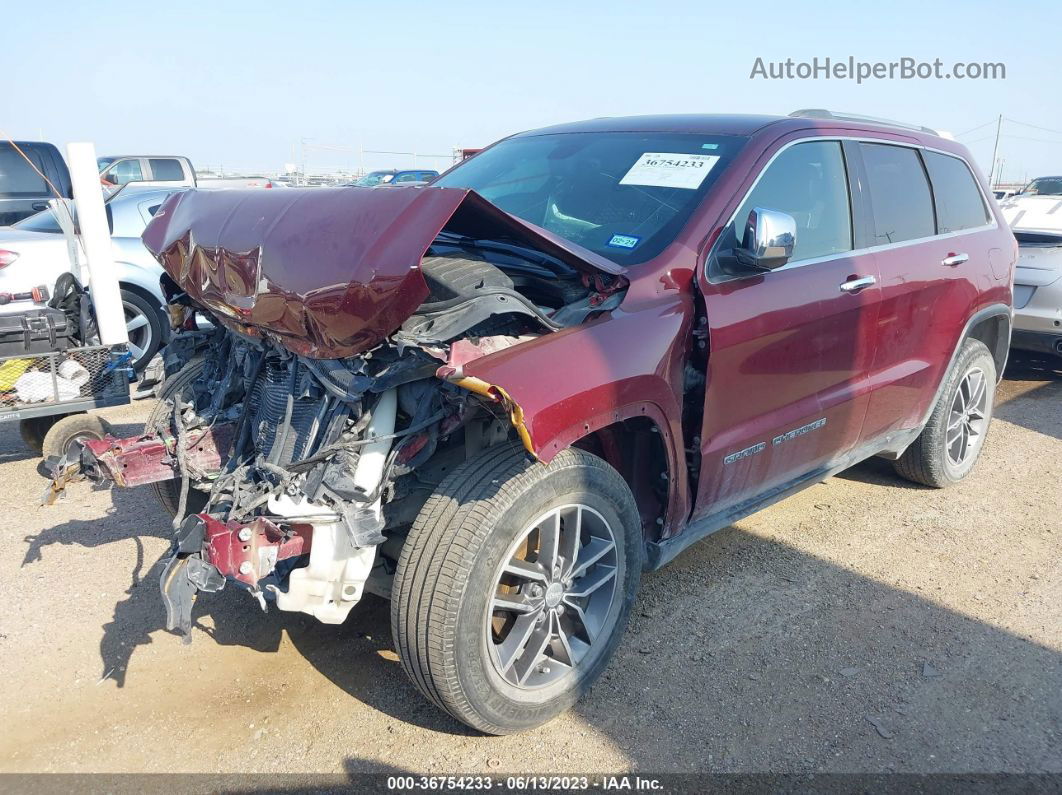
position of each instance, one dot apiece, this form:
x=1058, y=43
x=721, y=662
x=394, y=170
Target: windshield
x=1045, y=186
x=374, y=178
x=103, y=162
x=622, y=195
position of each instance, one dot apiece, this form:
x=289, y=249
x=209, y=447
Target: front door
x=790, y=350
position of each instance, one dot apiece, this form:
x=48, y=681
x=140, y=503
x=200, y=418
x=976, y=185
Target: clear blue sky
x=242, y=83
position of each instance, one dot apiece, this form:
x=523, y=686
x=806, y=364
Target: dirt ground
x=863, y=625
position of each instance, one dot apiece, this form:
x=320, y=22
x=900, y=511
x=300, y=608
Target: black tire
x=33, y=430
x=168, y=492
x=927, y=460
x=62, y=438
x=147, y=338
x=442, y=608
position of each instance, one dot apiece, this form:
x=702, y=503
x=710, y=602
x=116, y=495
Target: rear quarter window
x=17, y=177
x=899, y=193
x=166, y=169
x=959, y=202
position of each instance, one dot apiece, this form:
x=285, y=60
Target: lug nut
x=246, y=567
x=244, y=534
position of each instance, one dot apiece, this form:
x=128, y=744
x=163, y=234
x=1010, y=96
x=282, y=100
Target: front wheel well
x=635, y=448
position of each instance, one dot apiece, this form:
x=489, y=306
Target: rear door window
x=899, y=193
x=807, y=181
x=166, y=169
x=17, y=176
x=959, y=202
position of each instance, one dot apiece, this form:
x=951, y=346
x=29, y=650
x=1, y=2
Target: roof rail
x=822, y=113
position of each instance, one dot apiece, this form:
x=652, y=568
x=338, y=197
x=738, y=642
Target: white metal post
x=95, y=236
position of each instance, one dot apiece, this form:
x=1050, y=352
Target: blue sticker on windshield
x=709, y=146
x=624, y=241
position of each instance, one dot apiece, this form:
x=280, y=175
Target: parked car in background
x=1035, y=216
x=394, y=177
x=494, y=400
x=34, y=252
x=163, y=170
x=24, y=188
x=239, y=183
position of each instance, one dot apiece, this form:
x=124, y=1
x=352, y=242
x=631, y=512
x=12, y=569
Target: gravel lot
x=864, y=625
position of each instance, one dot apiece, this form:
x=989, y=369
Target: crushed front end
x=296, y=443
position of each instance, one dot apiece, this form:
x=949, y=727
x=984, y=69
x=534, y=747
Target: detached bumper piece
x=137, y=460
x=209, y=551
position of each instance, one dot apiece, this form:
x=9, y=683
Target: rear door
x=932, y=233
x=790, y=349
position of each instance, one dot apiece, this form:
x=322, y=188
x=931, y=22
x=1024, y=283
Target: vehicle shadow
x=745, y=654
x=759, y=657
x=1032, y=408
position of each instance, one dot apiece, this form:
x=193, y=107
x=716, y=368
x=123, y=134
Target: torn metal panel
x=137, y=460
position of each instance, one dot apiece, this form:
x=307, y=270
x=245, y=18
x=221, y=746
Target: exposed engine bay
x=295, y=476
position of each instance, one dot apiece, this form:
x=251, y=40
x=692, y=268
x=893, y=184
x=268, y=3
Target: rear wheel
x=514, y=586
x=168, y=492
x=67, y=435
x=950, y=444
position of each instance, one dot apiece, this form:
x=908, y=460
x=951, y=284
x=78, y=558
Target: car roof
x=708, y=123
x=747, y=125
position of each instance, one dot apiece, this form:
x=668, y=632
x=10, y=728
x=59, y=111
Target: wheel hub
x=553, y=596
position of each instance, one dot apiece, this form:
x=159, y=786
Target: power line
x=1026, y=138
x=1034, y=126
x=975, y=129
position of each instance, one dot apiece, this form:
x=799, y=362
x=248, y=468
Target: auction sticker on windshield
x=670, y=170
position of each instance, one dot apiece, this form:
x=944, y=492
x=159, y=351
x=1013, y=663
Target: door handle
x=855, y=285
x=39, y=206
x=955, y=259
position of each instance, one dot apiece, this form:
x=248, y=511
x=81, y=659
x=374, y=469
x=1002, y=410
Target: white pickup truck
x=167, y=171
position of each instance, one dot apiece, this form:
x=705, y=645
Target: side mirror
x=768, y=240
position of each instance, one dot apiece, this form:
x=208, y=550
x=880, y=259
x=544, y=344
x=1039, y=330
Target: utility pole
x=995, y=150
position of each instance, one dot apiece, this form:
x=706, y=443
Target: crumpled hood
x=327, y=272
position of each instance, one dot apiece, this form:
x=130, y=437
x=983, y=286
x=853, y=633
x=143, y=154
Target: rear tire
x=504, y=651
x=66, y=435
x=168, y=492
x=952, y=440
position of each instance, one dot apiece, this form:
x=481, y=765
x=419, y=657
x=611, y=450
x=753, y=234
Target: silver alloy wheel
x=967, y=420
x=552, y=596
x=138, y=326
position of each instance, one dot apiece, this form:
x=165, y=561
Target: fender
x=563, y=386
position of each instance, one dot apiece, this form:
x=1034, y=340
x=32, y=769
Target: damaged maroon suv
x=496, y=399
